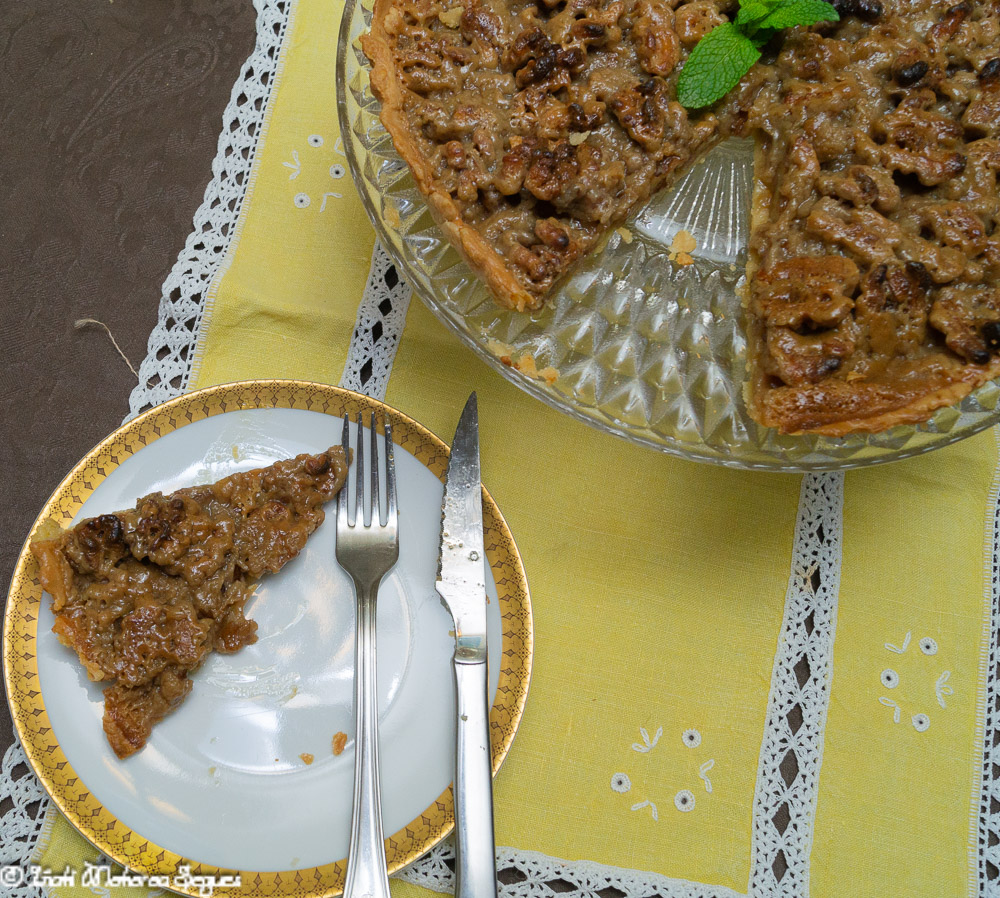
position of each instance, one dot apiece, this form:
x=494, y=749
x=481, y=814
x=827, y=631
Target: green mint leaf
x=753, y=11
x=715, y=66
x=800, y=12
x=761, y=36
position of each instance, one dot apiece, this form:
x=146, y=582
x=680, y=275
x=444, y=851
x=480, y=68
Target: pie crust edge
x=471, y=246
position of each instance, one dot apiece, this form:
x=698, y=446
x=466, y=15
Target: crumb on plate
x=681, y=248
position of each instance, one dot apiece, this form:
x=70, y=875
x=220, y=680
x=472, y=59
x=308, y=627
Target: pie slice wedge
x=144, y=595
x=874, y=295
x=533, y=129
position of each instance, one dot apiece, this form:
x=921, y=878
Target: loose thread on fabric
x=81, y=323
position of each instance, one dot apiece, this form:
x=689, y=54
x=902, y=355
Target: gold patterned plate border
x=20, y=668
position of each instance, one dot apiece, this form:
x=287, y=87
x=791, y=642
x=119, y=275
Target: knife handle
x=475, y=852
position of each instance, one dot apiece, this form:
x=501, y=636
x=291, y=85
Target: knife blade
x=461, y=584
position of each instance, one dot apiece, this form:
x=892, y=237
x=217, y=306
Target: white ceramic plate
x=224, y=781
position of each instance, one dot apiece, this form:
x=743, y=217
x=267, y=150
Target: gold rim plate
x=20, y=664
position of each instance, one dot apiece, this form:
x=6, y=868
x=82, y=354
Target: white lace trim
x=528, y=874
x=171, y=350
x=377, y=329
x=792, y=748
x=24, y=823
x=987, y=825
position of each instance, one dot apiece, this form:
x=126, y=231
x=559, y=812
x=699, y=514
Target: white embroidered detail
x=889, y=703
x=302, y=200
x=703, y=773
x=647, y=745
x=527, y=874
x=684, y=800
x=295, y=165
x=167, y=368
x=315, y=140
x=337, y=171
x=899, y=650
x=792, y=748
x=889, y=678
x=377, y=329
x=942, y=689
x=621, y=783
x=638, y=806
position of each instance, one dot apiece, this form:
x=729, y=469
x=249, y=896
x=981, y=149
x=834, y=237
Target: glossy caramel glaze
x=876, y=263
x=534, y=128
x=144, y=595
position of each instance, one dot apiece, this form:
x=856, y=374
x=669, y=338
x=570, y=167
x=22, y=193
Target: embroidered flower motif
x=621, y=783
x=890, y=680
x=295, y=166
x=647, y=804
x=647, y=744
x=941, y=688
x=703, y=773
x=302, y=200
x=326, y=196
x=889, y=703
x=337, y=171
x=315, y=140
x=687, y=764
x=684, y=800
x=900, y=649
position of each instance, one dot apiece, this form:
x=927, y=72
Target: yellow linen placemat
x=743, y=683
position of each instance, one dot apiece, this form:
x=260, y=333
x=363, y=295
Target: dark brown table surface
x=110, y=112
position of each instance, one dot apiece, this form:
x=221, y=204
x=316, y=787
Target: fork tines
x=369, y=509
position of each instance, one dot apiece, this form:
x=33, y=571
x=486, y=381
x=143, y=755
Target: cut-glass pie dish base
x=634, y=343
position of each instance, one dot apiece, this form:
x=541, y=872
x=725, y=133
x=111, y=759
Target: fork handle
x=475, y=853
x=366, y=866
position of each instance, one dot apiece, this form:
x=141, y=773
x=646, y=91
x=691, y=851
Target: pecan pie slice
x=875, y=259
x=534, y=128
x=144, y=595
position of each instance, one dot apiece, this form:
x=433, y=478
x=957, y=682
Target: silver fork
x=367, y=548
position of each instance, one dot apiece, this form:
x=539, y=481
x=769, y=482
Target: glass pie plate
x=635, y=343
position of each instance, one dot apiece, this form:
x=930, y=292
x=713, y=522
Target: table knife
x=461, y=584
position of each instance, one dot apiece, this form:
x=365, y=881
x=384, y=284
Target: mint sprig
x=727, y=52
